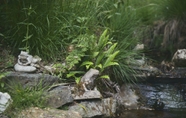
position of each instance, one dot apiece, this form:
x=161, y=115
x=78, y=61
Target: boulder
x=35, y=112
x=58, y=96
x=30, y=79
x=179, y=58
x=5, y=101
x=87, y=109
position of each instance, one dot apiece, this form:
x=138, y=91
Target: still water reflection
x=179, y=113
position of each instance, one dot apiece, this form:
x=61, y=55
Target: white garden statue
x=26, y=62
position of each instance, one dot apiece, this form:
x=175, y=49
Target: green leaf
x=99, y=66
x=111, y=64
x=77, y=79
x=111, y=49
x=27, y=37
x=110, y=59
x=70, y=75
x=2, y=85
x=95, y=54
x=105, y=77
x=102, y=40
x=99, y=58
x=87, y=64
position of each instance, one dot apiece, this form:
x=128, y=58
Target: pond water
x=171, y=93
x=179, y=113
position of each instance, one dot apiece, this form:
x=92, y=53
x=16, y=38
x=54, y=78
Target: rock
x=5, y=101
x=146, y=71
x=3, y=116
x=158, y=105
x=30, y=79
x=88, y=79
x=128, y=97
x=179, y=58
x=21, y=68
x=93, y=94
x=139, y=47
x=35, y=112
x=26, y=62
x=87, y=109
x=58, y=96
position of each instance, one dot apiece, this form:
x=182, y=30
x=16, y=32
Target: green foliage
x=24, y=97
x=46, y=27
x=123, y=22
x=73, y=74
x=102, y=54
x=2, y=84
x=171, y=9
x=31, y=25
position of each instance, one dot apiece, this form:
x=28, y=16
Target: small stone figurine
x=26, y=62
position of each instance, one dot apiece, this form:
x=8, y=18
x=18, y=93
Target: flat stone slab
x=58, y=96
x=30, y=79
x=93, y=94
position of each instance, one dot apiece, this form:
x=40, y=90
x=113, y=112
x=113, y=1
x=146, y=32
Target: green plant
x=102, y=54
x=123, y=22
x=2, y=84
x=24, y=97
x=174, y=15
x=31, y=25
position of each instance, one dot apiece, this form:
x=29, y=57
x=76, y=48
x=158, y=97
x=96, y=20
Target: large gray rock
x=179, y=58
x=30, y=79
x=128, y=98
x=58, y=96
x=87, y=109
x=5, y=101
x=35, y=112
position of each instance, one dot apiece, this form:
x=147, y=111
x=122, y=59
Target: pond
x=171, y=92
x=176, y=113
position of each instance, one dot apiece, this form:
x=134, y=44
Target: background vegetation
x=48, y=29
x=87, y=34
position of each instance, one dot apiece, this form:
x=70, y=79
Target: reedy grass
x=24, y=97
x=122, y=24
x=174, y=15
x=45, y=28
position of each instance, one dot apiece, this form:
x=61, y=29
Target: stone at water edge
x=5, y=101
x=88, y=109
x=179, y=58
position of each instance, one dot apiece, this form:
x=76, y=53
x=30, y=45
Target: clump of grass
x=122, y=24
x=24, y=97
x=174, y=15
